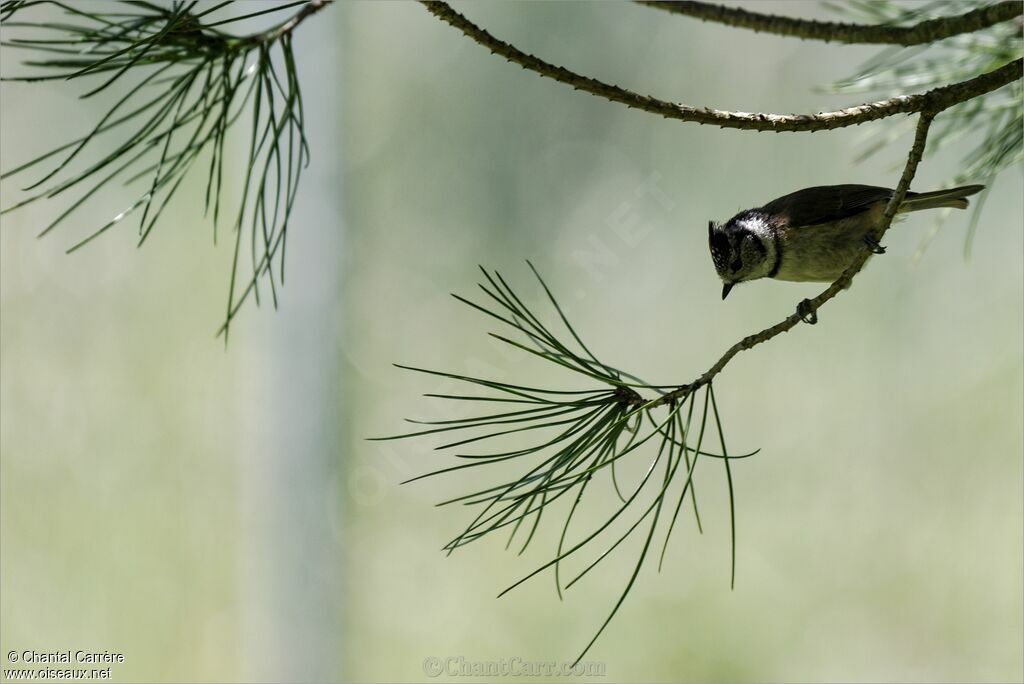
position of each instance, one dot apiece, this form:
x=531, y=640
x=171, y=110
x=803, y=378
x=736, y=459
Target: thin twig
x=835, y=32
x=276, y=33
x=935, y=99
x=840, y=284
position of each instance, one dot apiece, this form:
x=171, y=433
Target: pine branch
x=937, y=98
x=567, y=439
x=194, y=83
x=592, y=429
x=924, y=32
x=995, y=120
x=810, y=306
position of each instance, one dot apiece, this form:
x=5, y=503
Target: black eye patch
x=760, y=247
x=736, y=265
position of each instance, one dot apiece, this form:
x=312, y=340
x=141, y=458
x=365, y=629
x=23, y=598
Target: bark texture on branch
x=937, y=98
x=835, y=32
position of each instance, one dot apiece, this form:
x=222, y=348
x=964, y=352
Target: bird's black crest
x=719, y=245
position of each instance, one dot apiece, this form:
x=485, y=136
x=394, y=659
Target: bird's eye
x=736, y=265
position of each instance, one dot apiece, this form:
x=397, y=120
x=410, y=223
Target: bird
x=814, y=234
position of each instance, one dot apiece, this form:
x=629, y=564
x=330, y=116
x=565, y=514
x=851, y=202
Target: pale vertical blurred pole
x=289, y=413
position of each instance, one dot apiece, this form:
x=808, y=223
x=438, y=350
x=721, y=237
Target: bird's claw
x=807, y=313
x=873, y=245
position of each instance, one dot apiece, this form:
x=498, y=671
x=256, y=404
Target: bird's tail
x=955, y=198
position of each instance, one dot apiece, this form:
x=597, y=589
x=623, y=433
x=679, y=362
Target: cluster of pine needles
x=188, y=83
x=569, y=439
x=994, y=120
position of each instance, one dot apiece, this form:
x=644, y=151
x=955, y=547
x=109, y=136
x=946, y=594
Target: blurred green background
x=218, y=515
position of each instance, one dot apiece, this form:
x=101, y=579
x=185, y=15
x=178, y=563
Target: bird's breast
x=820, y=253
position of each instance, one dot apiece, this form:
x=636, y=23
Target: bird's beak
x=726, y=288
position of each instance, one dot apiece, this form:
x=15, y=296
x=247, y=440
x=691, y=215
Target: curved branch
x=924, y=32
x=841, y=283
x=276, y=33
x=935, y=99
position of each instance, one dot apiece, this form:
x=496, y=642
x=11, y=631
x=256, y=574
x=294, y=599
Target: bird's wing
x=825, y=203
